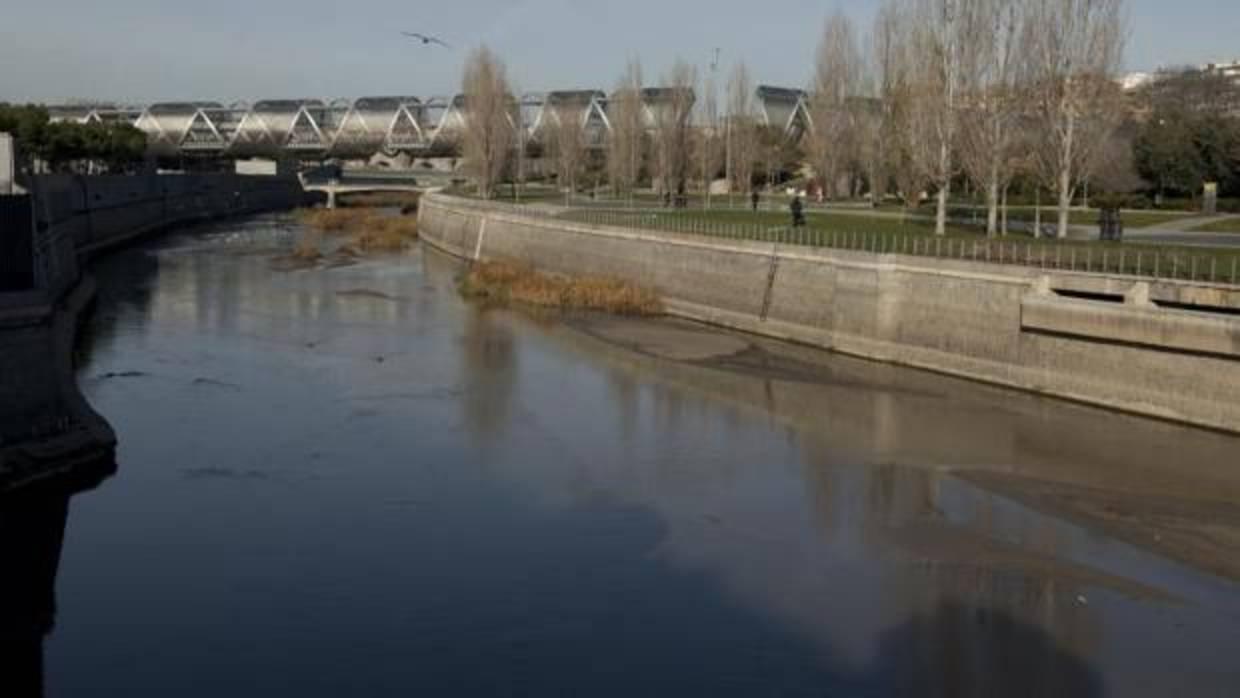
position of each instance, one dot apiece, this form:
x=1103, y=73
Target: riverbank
x=1159, y=348
x=45, y=424
x=47, y=429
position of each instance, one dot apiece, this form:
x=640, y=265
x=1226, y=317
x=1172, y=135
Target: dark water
x=349, y=481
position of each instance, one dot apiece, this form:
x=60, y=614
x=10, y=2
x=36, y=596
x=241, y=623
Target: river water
x=346, y=480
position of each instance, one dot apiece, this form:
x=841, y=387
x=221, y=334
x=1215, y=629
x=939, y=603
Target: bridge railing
x=1216, y=266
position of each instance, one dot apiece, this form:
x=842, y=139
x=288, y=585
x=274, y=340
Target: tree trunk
x=1004, y=218
x=1037, y=212
x=992, y=208
x=1065, y=202
x=945, y=186
x=1065, y=178
x=940, y=215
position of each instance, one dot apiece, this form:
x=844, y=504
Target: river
x=346, y=480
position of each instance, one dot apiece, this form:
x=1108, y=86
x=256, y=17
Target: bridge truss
x=316, y=129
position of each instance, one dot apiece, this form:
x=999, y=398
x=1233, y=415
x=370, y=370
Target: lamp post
x=709, y=135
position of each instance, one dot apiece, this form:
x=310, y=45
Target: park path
x=1181, y=232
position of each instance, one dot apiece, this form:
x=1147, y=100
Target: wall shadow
x=964, y=651
x=32, y=530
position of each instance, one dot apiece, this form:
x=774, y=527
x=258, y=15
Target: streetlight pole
x=712, y=113
x=520, y=148
x=727, y=126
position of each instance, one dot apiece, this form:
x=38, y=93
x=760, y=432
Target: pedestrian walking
x=798, y=212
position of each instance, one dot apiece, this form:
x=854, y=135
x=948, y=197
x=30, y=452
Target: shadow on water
x=967, y=651
x=32, y=531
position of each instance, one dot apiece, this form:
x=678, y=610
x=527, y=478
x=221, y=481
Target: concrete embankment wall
x=44, y=422
x=99, y=211
x=1164, y=349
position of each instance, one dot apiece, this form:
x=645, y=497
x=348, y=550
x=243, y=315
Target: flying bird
x=426, y=40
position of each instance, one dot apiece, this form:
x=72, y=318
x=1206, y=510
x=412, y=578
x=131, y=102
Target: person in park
x=798, y=212
x=755, y=198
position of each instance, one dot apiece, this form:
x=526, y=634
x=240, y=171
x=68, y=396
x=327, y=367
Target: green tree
x=1167, y=153
x=68, y=144
x=28, y=124
x=1193, y=133
x=1217, y=138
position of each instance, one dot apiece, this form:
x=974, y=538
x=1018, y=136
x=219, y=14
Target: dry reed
x=380, y=199
x=508, y=283
x=369, y=230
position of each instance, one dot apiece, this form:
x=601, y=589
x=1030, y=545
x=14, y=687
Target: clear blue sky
x=143, y=50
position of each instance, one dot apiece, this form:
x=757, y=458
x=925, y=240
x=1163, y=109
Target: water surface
x=349, y=481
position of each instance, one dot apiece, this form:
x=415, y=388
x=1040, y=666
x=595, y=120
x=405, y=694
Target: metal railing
x=1139, y=260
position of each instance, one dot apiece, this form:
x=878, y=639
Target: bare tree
x=904, y=132
x=565, y=139
x=626, y=144
x=741, y=130
x=935, y=39
x=490, y=119
x=673, y=110
x=709, y=154
x=889, y=75
x=837, y=76
x=871, y=149
x=991, y=86
x=1076, y=49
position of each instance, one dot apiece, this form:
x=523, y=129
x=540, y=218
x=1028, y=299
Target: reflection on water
x=349, y=481
x=32, y=530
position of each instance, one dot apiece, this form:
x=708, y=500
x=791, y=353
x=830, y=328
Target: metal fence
x=1142, y=260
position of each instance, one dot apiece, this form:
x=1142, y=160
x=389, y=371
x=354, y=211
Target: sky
x=140, y=51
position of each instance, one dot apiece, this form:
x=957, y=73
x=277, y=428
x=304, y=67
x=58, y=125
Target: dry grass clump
x=307, y=250
x=370, y=231
x=385, y=233
x=404, y=200
x=509, y=283
x=330, y=220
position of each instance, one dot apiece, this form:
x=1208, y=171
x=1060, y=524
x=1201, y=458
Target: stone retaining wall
x=45, y=425
x=1164, y=349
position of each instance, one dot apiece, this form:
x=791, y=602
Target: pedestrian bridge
x=317, y=129
x=334, y=187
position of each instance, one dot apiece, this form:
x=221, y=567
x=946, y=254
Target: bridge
x=315, y=129
x=357, y=183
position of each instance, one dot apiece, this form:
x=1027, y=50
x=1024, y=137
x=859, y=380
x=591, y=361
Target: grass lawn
x=890, y=223
x=775, y=204
x=529, y=194
x=1132, y=218
x=915, y=236
x=826, y=220
x=1228, y=225
x=1152, y=219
